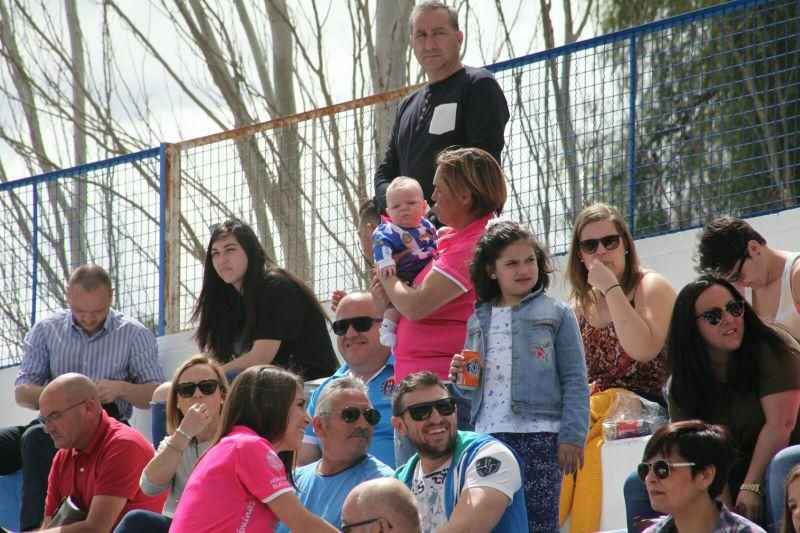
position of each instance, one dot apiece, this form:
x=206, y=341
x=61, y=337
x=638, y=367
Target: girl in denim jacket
x=533, y=392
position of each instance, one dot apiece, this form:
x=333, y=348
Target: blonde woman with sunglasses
x=194, y=405
x=623, y=308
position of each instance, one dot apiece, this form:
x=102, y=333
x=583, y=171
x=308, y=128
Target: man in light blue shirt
x=115, y=351
x=344, y=421
x=365, y=358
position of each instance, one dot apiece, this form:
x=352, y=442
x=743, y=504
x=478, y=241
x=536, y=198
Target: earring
x=492, y=276
x=626, y=252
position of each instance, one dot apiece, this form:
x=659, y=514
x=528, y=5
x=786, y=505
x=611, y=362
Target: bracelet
x=173, y=445
x=609, y=289
x=183, y=434
x=755, y=488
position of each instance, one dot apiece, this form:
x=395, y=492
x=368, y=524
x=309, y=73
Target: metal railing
x=674, y=122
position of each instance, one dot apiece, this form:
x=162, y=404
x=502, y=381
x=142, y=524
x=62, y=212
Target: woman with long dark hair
x=730, y=368
x=251, y=312
x=244, y=481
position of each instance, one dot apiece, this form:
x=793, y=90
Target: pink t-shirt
x=231, y=486
x=429, y=344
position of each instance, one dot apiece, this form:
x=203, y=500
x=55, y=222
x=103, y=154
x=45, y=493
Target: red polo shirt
x=110, y=465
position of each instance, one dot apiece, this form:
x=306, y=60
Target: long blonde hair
x=577, y=273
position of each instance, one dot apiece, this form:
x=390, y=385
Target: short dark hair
x=722, y=243
x=411, y=383
x=90, y=277
x=699, y=443
x=497, y=237
x=431, y=5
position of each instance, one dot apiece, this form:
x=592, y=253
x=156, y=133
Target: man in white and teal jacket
x=461, y=480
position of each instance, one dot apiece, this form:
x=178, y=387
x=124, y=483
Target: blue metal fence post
x=632, y=137
x=162, y=260
x=34, y=266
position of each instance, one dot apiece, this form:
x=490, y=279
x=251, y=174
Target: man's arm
x=103, y=512
x=479, y=509
x=308, y=454
x=486, y=117
x=27, y=395
x=389, y=169
x=138, y=394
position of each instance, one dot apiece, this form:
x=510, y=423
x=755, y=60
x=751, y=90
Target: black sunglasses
x=351, y=414
x=713, y=316
x=736, y=277
x=609, y=242
x=661, y=468
x=359, y=323
x=422, y=411
x=347, y=527
x=186, y=389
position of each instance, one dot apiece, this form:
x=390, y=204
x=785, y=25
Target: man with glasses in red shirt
x=99, y=461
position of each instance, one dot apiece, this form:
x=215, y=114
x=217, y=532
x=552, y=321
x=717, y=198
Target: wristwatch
x=756, y=488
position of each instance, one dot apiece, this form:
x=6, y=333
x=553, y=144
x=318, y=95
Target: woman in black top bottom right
x=730, y=368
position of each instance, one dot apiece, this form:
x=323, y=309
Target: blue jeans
x=141, y=521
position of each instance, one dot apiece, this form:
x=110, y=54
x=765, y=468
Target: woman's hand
x=196, y=419
x=750, y=505
x=456, y=367
x=570, y=458
x=600, y=276
x=336, y=297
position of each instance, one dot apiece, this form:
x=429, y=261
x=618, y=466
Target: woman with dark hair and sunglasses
x=244, y=481
x=253, y=312
x=730, y=368
x=685, y=468
x=194, y=405
x=623, y=309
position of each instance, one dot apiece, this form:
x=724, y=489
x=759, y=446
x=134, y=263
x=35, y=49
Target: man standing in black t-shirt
x=459, y=106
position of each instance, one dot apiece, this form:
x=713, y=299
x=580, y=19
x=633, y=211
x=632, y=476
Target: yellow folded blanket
x=581, y=494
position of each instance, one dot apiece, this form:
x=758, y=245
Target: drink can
x=470, y=376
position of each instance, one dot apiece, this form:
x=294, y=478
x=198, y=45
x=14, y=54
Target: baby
x=408, y=234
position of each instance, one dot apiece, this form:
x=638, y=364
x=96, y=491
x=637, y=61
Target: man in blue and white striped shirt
x=115, y=351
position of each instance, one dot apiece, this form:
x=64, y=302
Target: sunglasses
x=661, y=468
x=609, y=242
x=207, y=387
x=347, y=527
x=359, y=323
x=713, y=316
x=351, y=414
x=422, y=411
x=736, y=277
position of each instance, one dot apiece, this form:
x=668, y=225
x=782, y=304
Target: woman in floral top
x=623, y=309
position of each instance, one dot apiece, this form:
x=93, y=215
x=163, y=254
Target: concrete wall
x=671, y=255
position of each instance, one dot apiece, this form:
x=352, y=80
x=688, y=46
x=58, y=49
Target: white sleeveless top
x=788, y=314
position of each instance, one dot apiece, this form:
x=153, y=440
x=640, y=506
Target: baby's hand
x=387, y=272
x=456, y=365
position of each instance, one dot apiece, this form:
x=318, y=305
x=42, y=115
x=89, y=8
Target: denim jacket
x=548, y=366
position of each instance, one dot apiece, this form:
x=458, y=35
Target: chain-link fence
x=675, y=122
x=106, y=213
